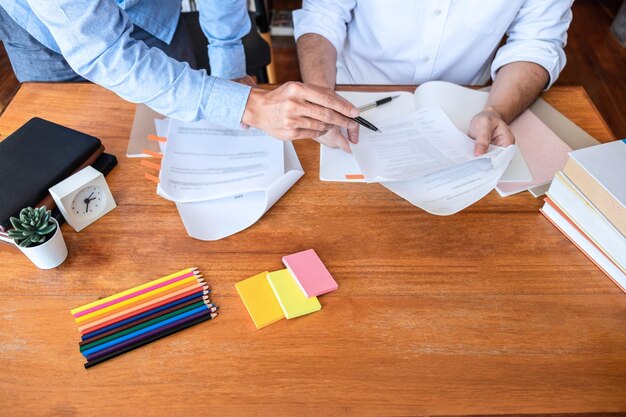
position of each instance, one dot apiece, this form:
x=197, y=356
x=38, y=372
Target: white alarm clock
x=83, y=198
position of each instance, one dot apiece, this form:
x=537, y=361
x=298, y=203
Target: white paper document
x=206, y=161
x=426, y=160
x=411, y=146
x=223, y=180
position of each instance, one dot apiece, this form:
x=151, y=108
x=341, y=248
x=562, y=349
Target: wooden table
x=491, y=310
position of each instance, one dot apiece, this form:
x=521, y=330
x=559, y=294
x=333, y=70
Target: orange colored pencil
x=95, y=315
x=113, y=318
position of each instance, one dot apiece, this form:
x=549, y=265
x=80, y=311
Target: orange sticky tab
x=156, y=138
x=151, y=177
x=355, y=176
x=151, y=164
x=153, y=154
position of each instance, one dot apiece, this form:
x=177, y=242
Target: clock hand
x=87, y=206
x=90, y=195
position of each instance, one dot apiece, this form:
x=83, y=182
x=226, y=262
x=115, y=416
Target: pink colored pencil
x=135, y=294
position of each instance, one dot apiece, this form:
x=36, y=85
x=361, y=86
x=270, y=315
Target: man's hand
x=488, y=127
x=335, y=139
x=298, y=111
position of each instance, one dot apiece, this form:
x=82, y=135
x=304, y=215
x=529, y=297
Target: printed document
x=205, y=161
x=428, y=161
x=223, y=180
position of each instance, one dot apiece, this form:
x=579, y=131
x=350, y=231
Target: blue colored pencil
x=195, y=296
x=89, y=352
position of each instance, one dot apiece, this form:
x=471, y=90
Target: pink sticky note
x=310, y=273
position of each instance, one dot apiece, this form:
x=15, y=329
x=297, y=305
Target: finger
x=306, y=134
x=343, y=143
x=329, y=99
x=328, y=116
x=313, y=124
x=482, y=140
x=353, y=135
x=503, y=136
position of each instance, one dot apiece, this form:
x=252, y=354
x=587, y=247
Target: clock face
x=88, y=202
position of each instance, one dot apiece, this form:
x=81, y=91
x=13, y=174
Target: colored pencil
x=149, y=315
x=124, y=305
x=130, y=291
x=137, y=334
x=145, y=333
x=139, y=309
x=192, y=298
x=148, y=340
x=137, y=293
x=148, y=323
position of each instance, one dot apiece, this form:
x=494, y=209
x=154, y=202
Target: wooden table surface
x=489, y=311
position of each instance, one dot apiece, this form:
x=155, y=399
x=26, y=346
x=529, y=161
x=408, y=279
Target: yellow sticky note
x=260, y=301
x=290, y=297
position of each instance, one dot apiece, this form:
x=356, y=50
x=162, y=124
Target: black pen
x=377, y=103
x=366, y=124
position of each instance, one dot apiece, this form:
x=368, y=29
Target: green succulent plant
x=33, y=226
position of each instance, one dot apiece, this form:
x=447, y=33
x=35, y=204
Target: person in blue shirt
x=140, y=50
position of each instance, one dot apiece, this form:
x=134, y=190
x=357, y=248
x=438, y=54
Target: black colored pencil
x=149, y=340
x=143, y=320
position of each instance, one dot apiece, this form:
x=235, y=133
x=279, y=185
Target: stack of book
x=587, y=202
x=37, y=156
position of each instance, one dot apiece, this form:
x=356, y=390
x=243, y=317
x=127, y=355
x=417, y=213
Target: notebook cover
x=290, y=297
x=310, y=273
x=34, y=158
x=260, y=301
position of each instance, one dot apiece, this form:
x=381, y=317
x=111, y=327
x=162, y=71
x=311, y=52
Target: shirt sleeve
x=94, y=38
x=538, y=34
x=225, y=23
x=327, y=18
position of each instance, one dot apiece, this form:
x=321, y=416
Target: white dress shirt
x=414, y=41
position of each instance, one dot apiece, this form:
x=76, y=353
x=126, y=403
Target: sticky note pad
x=310, y=273
x=290, y=297
x=260, y=301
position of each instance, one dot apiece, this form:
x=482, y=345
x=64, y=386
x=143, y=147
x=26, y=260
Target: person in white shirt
x=415, y=41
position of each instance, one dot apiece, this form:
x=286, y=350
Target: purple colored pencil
x=137, y=339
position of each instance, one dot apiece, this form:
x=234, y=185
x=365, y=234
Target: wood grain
x=490, y=311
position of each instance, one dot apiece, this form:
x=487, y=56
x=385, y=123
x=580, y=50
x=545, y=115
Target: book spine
x=602, y=199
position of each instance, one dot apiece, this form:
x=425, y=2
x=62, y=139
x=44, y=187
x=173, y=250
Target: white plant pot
x=51, y=253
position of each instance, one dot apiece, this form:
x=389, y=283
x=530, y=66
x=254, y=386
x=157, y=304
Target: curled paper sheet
x=425, y=159
x=223, y=180
x=455, y=188
x=217, y=219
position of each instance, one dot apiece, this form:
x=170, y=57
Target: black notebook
x=35, y=157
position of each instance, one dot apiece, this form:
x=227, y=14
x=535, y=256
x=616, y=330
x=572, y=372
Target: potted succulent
x=39, y=237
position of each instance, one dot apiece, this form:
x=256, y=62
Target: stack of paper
x=223, y=180
x=270, y=296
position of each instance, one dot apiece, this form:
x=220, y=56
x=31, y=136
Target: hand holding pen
x=335, y=139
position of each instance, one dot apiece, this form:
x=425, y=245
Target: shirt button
x=426, y=59
x=437, y=12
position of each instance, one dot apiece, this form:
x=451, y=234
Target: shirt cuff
x=550, y=57
x=226, y=102
x=306, y=22
x=227, y=61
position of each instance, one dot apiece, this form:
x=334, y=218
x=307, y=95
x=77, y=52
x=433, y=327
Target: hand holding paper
x=425, y=159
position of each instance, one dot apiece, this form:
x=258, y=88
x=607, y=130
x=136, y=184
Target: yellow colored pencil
x=139, y=307
x=132, y=290
x=137, y=299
